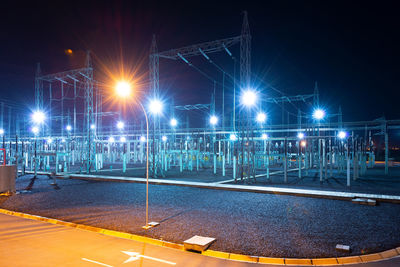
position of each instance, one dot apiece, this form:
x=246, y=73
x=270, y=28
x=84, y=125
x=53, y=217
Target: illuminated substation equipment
x=164, y=138
x=173, y=122
x=319, y=114
x=264, y=136
x=261, y=117
x=156, y=106
x=120, y=125
x=213, y=120
x=35, y=130
x=342, y=135
x=38, y=117
x=232, y=137
x=111, y=139
x=300, y=136
x=249, y=98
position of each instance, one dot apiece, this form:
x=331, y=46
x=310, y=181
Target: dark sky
x=350, y=47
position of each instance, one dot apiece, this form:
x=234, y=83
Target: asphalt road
x=25, y=242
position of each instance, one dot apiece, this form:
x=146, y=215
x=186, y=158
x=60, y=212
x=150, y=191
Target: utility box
x=8, y=174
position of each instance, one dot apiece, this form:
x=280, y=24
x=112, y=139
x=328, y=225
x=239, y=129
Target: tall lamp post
x=123, y=90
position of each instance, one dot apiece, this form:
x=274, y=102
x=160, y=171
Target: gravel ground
x=248, y=223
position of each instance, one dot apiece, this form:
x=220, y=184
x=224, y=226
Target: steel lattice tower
x=89, y=109
x=38, y=89
x=154, y=68
x=245, y=54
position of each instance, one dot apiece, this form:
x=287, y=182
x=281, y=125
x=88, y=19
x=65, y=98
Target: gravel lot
x=248, y=223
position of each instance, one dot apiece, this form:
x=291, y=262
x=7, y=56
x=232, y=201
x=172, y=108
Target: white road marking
x=134, y=256
x=84, y=259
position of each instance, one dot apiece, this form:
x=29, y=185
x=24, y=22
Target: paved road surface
x=25, y=242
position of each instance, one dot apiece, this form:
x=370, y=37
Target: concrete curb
x=388, y=254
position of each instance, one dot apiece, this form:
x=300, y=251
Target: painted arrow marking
x=134, y=256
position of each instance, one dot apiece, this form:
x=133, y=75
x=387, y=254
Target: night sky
x=350, y=47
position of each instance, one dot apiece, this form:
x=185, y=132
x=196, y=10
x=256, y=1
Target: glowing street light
x=261, y=117
x=120, y=125
x=38, y=117
x=35, y=130
x=232, y=137
x=264, y=136
x=249, y=98
x=300, y=136
x=1, y=131
x=342, y=135
x=92, y=126
x=111, y=139
x=213, y=120
x=123, y=89
x=122, y=139
x=155, y=106
x=142, y=139
x=49, y=140
x=69, y=128
x=164, y=138
x=303, y=143
x=173, y=122
x=318, y=114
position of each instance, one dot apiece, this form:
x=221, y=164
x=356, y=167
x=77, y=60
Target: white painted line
x=96, y=262
x=134, y=256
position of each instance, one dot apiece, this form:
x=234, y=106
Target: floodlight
x=261, y=117
x=123, y=89
x=142, y=139
x=69, y=128
x=111, y=139
x=92, y=126
x=213, y=120
x=264, y=136
x=173, y=122
x=300, y=135
x=1, y=131
x=38, y=117
x=63, y=140
x=120, y=125
x=249, y=98
x=156, y=106
x=164, y=138
x=35, y=130
x=318, y=114
x=342, y=135
x=232, y=137
x=49, y=140
x=303, y=143
x=122, y=139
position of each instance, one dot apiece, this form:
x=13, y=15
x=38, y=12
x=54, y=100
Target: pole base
x=150, y=225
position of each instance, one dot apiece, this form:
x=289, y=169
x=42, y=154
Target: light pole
x=123, y=90
x=249, y=99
